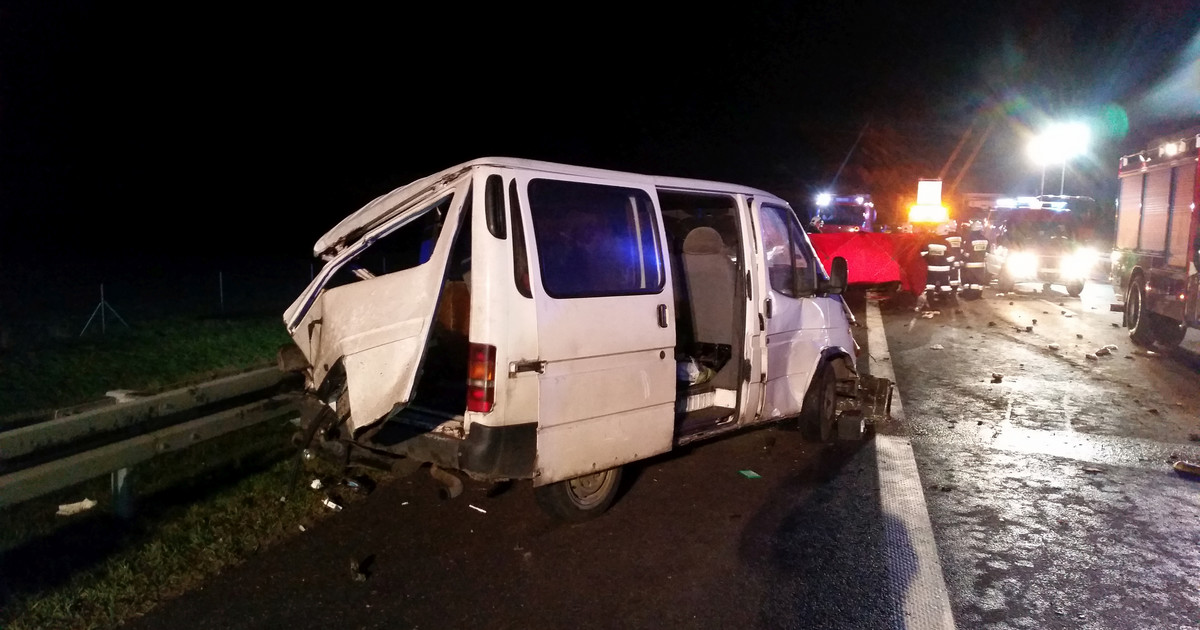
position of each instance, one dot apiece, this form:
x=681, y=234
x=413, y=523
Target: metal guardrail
x=61, y=452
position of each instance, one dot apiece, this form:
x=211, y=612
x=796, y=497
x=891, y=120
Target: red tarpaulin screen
x=875, y=258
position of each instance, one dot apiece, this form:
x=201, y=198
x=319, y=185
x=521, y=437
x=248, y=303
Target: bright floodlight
x=824, y=199
x=1059, y=143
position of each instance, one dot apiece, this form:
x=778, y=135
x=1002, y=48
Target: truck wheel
x=1167, y=332
x=819, y=411
x=1136, y=315
x=581, y=498
x=1075, y=288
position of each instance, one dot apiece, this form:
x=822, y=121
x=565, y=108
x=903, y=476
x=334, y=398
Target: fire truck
x=1155, y=256
x=847, y=213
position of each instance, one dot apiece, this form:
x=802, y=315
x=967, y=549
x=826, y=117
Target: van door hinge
x=534, y=365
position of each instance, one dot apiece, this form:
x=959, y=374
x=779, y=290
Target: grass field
x=198, y=510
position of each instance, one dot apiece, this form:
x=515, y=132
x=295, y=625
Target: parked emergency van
x=516, y=319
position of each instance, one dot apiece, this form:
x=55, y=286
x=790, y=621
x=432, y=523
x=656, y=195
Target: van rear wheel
x=581, y=498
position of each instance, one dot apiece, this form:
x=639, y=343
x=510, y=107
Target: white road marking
x=912, y=556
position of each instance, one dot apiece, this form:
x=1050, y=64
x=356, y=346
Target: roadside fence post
x=122, y=493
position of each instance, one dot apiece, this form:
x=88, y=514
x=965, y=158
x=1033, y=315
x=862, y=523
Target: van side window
x=520, y=256
x=493, y=200
x=402, y=247
x=778, y=250
x=804, y=260
x=595, y=240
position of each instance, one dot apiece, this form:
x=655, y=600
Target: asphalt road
x=1050, y=494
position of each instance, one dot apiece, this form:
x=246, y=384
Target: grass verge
x=150, y=356
x=200, y=511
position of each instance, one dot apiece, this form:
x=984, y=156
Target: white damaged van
x=516, y=319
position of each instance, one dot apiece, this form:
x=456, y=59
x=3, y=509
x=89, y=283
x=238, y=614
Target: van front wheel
x=820, y=406
x=581, y=498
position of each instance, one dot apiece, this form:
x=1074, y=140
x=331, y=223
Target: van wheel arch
x=818, y=415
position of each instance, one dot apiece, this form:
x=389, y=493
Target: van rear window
x=595, y=240
x=403, y=247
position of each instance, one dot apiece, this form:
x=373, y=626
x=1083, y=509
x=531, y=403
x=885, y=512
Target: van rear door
x=371, y=307
x=606, y=333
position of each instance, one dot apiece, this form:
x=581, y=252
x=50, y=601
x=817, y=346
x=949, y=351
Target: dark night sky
x=168, y=129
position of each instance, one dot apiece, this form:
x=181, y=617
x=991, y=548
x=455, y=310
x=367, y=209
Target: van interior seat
x=711, y=279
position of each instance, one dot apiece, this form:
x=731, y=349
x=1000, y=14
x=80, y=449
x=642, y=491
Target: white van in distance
x=515, y=319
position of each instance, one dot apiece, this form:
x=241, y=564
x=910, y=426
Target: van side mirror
x=838, y=276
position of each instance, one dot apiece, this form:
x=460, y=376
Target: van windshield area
x=403, y=247
x=1039, y=228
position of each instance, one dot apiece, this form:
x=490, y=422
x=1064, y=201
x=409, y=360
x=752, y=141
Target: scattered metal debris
x=1101, y=352
x=1092, y=471
x=71, y=509
x=1053, y=346
x=936, y=346
x=1091, y=357
x=477, y=509
x=327, y=502
x=1187, y=468
x=750, y=474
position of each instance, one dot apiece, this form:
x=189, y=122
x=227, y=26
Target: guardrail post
x=122, y=493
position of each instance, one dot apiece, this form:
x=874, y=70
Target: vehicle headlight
x=1079, y=264
x=1022, y=264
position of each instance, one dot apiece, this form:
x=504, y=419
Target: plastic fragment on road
x=936, y=346
x=316, y=484
x=1053, y=346
x=477, y=509
x=1091, y=357
x=303, y=529
x=927, y=315
x=331, y=505
x=750, y=474
x=71, y=509
x=1190, y=469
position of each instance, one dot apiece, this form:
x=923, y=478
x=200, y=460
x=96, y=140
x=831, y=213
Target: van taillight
x=481, y=378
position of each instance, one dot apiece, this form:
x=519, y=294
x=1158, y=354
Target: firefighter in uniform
x=939, y=263
x=974, y=272
x=955, y=242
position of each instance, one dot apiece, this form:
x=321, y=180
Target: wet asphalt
x=1050, y=493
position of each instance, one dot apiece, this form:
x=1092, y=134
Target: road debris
x=1035, y=322
x=477, y=509
x=1103, y=352
x=1010, y=303
x=1152, y=410
x=361, y=570
x=71, y=509
x=1053, y=346
x=1115, y=325
x=1091, y=357
x=1092, y=471
x=1187, y=468
x=997, y=377
x=936, y=346
x=991, y=324
x=303, y=529
x=331, y=505
x=1146, y=353
x=316, y=484
x=750, y=474
x=1079, y=335
x=928, y=314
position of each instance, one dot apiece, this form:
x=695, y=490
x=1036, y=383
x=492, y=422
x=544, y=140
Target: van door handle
x=662, y=316
x=516, y=367
x=769, y=308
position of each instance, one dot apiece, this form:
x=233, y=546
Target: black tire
x=1137, y=318
x=819, y=411
x=1075, y=288
x=582, y=498
x=1167, y=332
